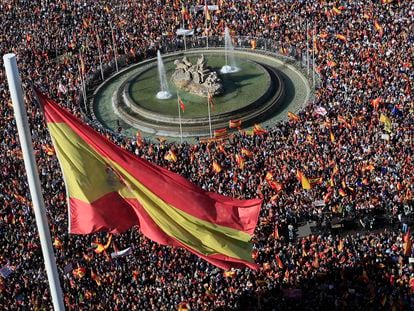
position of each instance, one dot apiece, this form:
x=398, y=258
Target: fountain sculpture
x=197, y=79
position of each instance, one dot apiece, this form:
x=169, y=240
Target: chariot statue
x=196, y=78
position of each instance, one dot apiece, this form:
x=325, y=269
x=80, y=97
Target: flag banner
x=79, y=272
x=123, y=253
x=233, y=124
x=184, y=32
x=220, y=132
x=198, y=8
x=303, y=180
x=110, y=189
x=182, y=106
x=320, y=111
x=6, y=270
x=258, y=130
x=340, y=37
x=68, y=268
x=216, y=167
x=293, y=117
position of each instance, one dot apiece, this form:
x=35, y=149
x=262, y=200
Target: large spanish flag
x=110, y=189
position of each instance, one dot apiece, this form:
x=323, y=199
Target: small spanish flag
x=170, y=156
x=220, y=132
x=331, y=63
x=246, y=152
x=233, y=124
x=269, y=176
x=57, y=243
x=279, y=262
x=79, y=272
x=376, y=102
x=184, y=306
x=181, y=103
x=240, y=161
x=49, y=150
x=332, y=136
x=336, y=11
x=303, y=180
x=368, y=167
x=378, y=28
x=258, y=129
x=216, y=167
x=293, y=117
x=315, y=181
x=229, y=274
x=275, y=185
x=253, y=44
x=96, y=278
x=340, y=37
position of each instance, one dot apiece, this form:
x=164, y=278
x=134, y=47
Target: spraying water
x=164, y=93
x=229, y=54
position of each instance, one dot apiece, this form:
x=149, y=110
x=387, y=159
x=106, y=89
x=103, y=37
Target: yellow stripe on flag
x=89, y=176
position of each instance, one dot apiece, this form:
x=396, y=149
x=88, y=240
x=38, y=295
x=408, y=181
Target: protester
x=364, y=61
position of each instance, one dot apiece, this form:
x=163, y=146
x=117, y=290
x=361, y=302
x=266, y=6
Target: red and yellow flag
x=303, y=180
x=378, y=28
x=293, y=117
x=336, y=11
x=110, y=189
x=340, y=37
x=220, y=132
x=170, y=156
x=216, y=167
x=233, y=124
x=79, y=272
x=240, y=161
x=246, y=152
x=258, y=130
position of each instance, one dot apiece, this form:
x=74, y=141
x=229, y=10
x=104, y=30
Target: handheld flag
x=216, y=167
x=220, y=132
x=233, y=124
x=293, y=117
x=110, y=189
x=303, y=180
x=182, y=106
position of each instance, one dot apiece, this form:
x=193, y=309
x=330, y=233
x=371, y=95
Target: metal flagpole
x=81, y=72
x=98, y=41
x=114, y=46
x=313, y=58
x=23, y=128
x=209, y=115
x=205, y=21
x=179, y=117
x=307, y=47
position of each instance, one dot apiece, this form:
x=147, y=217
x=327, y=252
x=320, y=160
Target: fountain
x=230, y=65
x=165, y=91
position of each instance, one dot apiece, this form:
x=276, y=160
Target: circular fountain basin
x=261, y=91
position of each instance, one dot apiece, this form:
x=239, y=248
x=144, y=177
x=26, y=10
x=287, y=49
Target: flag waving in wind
x=110, y=189
x=182, y=106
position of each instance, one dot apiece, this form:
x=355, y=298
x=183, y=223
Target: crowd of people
x=354, y=141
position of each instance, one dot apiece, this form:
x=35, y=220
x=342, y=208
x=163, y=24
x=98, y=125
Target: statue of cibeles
x=197, y=79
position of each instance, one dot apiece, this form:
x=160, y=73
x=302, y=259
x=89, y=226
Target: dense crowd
x=364, y=57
